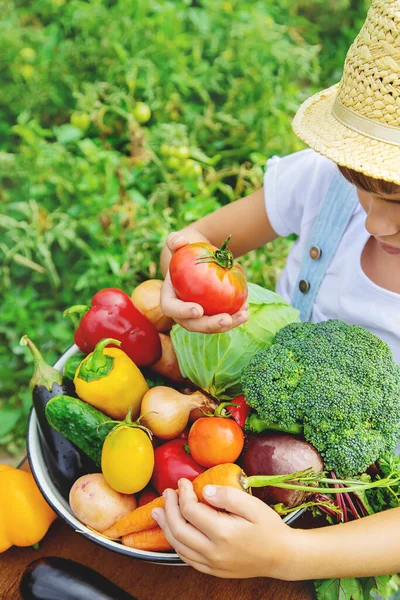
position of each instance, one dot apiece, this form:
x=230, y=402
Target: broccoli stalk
x=336, y=384
x=256, y=425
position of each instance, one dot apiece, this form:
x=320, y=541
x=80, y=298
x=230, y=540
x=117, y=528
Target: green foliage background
x=88, y=193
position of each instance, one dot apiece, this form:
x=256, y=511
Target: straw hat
x=356, y=123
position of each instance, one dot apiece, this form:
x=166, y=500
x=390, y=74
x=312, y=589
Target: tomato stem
x=221, y=412
x=222, y=256
x=129, y=423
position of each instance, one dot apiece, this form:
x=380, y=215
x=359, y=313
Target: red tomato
x=171, y=462
x=146, y=496
x=209, y=276
x=215, y=440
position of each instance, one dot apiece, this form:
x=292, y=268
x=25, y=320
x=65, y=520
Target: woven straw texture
x=370, y=88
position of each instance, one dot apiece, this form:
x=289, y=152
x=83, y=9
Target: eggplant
x=55, y=578
x=278, y=454
x=64, y=461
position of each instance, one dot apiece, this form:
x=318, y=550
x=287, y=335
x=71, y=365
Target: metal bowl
x=61, y=506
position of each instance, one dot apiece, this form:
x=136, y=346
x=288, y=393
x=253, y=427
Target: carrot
x=152, y=540
x=140, y=519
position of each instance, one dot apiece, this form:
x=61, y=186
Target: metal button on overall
x=315, y=252
x=304, y=286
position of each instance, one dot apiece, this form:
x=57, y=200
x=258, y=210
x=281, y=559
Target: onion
x=168, y=364
x=147, y=298
x=166, y=412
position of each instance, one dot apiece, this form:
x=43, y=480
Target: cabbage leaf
x=214, y=362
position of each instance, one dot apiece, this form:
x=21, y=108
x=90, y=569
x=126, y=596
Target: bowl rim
x=53, y=497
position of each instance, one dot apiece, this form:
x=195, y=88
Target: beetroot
x=278, y=454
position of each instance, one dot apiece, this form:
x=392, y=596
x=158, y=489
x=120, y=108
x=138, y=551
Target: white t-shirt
x=294, y=188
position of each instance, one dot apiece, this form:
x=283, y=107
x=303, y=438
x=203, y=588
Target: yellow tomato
x=127, y=459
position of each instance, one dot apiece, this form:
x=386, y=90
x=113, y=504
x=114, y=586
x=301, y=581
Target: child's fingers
x=175, y=308
x=201, y=516
x=234, y=501
x=176, y=240
x=240, y=317
x=214, y=324
x=179, y=310
x=182, y=532
x=187, y=554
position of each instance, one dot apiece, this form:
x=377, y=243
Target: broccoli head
x=336, y=382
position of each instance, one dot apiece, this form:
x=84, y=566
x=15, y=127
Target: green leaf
x=67, y=134
x=339, y=589
x=8, y=419
x=383, y=586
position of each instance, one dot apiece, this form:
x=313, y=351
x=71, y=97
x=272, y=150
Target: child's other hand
x=190, y=315
x=250, y=540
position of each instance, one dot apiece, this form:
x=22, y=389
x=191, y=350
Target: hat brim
x=315, y=124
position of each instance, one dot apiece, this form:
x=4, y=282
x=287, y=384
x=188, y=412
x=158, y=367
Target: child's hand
x=250, y=541
x=190, y=314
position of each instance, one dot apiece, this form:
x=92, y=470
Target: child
x=344, y=265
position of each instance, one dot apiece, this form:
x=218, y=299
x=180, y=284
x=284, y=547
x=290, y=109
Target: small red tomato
x=215, y=440
x=171, y=462
x=209, y=276
x=146, y=496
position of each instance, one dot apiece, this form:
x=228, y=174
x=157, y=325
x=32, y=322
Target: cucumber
x=80, y=423
x=72, y=364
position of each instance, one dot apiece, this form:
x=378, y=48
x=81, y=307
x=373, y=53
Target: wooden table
x=143, y=580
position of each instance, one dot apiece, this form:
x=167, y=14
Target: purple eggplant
x=64, y=461
x=62, y=579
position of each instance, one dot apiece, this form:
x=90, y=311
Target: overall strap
x=335, y=213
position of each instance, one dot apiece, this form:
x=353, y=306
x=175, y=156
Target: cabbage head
x=214, y=362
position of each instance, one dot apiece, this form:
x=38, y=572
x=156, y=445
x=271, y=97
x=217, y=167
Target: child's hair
x=369, y=184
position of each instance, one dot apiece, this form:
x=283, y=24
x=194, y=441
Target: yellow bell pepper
x=25, y=515
x=110, y=381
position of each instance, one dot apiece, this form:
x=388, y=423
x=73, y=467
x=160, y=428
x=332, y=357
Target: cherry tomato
x=141, y=112
x=173, y=162
x=27, y=71
x=171, y=462
x=28, y=54
x=215, y=440
x=209, y=276
x=81, y=120
x=182, y=152
x=146, y=496
x=191, y=168
x=127, y=459
x=165, y=150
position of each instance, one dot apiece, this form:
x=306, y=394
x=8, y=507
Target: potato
x=96, y=504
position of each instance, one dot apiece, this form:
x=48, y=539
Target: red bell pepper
x=239, y=412
x=146, y=496
x=113, y=314
x=171, y=462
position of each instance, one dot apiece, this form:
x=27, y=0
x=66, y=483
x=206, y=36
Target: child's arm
x=247, y=222
x=252, y=541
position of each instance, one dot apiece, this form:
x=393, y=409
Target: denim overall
x=336, y=210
